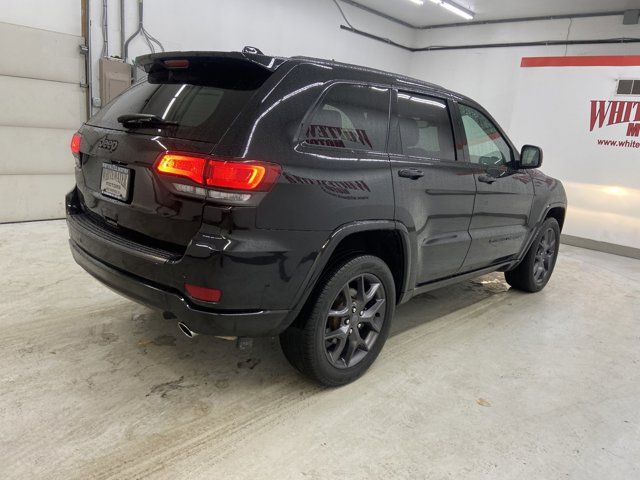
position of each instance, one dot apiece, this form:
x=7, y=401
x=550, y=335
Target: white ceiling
x=432, y=14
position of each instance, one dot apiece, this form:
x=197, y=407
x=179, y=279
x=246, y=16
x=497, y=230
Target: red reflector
x=203, y=293
x=186, y=166
x=75, y=143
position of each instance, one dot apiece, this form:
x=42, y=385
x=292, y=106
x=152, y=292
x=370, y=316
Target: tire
x=331, y=343
x=543, y=252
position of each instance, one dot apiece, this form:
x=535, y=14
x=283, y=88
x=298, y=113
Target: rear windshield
x=202, y=113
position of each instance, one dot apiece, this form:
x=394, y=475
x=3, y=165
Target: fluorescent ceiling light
x=455, y=8
x=464, y=13
x=417, y=2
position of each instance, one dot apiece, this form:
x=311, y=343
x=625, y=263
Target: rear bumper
x=200, y=320
x=260, y=272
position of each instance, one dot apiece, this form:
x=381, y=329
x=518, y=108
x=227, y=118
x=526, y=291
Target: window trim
x=513, y=164
x=397, y=144
x=300, y=141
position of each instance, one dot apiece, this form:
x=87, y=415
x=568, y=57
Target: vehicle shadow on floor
x=445, y=301
x=218, y=362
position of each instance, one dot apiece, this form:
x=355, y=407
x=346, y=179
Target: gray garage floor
x=477, y=381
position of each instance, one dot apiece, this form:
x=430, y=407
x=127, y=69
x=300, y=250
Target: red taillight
x=239, y=175
x=203, y=293
x=186, y=166
x=75, y=143
x=217, y=173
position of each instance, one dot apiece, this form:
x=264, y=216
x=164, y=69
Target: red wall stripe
x=582, y=61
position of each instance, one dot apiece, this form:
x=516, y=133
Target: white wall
x=490, y=76
x=602, y=181
x=62, y=16
x=42, y=105
x=551, y=108
x=277, y=27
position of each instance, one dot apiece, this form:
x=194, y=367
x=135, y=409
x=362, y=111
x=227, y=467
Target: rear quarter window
x=350, y=117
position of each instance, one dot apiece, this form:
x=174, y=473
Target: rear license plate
x=115, y=181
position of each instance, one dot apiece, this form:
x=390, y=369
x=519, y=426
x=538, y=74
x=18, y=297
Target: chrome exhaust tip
x=186, y=330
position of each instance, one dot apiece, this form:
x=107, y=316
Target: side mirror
x=530, y=157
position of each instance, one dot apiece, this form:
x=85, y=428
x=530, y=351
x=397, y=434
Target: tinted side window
x=352, y=117
x=424, y=127
x=486, y=144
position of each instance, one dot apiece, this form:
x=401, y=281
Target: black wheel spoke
x=338, y=349
x=339, y=313
x=372, y=292
x=335, y=342
x=346, y=291
x=373, y=309
x=545, y=254
x=551, y=247
x=341, y=332
x=375, y=323
x=352, y=348
x=355, y=320
x=538, y=271
x=342, y=304
x=360, y=296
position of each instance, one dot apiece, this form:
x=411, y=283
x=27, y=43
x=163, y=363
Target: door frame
x=461, y=162
x=512, y=167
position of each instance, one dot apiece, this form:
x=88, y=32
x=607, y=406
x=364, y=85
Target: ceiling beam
x=378, y=13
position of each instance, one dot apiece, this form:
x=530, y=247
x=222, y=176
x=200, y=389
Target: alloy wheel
x=354, y=320
x=543, y=262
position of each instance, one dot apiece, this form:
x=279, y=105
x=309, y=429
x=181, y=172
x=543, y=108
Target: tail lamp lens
x=185, y=166
x=75, y=144
x=218, y=173
x=203, y=293
x=235, y=176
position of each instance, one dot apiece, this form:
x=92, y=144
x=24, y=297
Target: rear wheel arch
x=386, y=244
x=384, y=239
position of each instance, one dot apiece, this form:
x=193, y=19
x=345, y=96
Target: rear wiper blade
x=140, y=120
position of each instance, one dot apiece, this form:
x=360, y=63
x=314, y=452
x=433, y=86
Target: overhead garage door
x=42, y=105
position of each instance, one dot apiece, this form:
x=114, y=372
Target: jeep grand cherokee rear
x=165, y=210
x=249, y=196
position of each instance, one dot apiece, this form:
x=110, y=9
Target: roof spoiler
x=228, y=70
x=177, y=60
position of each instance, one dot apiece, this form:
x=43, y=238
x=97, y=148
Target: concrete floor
x=476, y=382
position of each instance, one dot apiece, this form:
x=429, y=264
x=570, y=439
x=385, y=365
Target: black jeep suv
x=248, y=195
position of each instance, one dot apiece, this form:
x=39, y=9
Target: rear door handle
x=412, y=173
x=486, y=179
